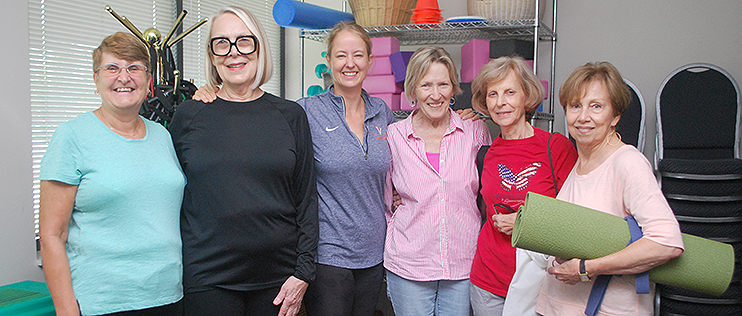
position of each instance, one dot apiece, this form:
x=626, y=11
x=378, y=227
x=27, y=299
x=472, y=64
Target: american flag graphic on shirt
x=520, y=180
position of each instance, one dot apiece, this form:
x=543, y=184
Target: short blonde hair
x=352, y=27
x=420, y=63
x=265, y=62
x=576, y=84
x=124, y=46
x=496, y=71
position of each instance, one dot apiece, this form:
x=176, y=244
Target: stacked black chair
x=700, y=172
x=631, y=126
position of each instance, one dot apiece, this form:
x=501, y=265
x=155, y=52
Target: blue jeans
x=427, y=298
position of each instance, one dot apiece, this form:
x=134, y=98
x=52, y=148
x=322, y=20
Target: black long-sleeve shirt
x=249, y=215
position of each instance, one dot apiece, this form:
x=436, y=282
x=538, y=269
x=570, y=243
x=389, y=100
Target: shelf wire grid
x=449, y=33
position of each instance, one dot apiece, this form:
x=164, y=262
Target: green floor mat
x=14, y=296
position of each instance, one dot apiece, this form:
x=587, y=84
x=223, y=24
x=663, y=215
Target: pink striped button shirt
x=433, y=233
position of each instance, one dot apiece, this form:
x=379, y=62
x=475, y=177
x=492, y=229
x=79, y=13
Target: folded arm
x=640, y=256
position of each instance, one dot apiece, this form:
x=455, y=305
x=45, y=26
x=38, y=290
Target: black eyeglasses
x=245, y=44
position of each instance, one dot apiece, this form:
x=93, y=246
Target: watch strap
x=583, y=273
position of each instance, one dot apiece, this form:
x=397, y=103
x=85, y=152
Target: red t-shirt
x=511, y=169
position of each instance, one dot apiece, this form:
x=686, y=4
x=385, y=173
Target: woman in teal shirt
x=111, y=190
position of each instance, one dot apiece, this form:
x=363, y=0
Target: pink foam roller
x=384, y=46
x=382, y=84
x=380, y=66
x=474, y=55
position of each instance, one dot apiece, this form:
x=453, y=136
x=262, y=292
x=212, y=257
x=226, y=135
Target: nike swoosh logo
x=327, y=129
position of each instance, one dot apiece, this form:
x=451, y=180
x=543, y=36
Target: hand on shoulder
x=469, y=114
x=206, y=94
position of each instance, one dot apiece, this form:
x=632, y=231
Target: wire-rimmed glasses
x=113, y=70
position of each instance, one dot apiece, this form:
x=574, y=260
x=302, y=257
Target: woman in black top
x=249, y=218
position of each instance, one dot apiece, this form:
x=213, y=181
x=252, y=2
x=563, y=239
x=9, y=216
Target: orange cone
x=427, y=4
x=426, y=12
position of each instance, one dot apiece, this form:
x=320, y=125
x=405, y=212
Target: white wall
x=17, y=248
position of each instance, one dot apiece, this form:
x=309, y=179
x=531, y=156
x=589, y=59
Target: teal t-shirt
x=124, y=244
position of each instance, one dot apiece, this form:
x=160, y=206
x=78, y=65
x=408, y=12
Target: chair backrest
x=632, y=123
x=631, y=126
x=698, y=114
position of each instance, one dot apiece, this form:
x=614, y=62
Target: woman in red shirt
x=522, y=159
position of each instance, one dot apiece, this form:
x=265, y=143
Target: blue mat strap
x=596, y=294
x=601, y=282
x=642, y=279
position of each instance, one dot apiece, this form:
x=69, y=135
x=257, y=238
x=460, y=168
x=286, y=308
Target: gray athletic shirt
x=351, y=177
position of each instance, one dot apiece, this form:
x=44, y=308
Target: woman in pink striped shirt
x=432, y=234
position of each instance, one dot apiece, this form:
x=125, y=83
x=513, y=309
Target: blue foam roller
x=291, y=13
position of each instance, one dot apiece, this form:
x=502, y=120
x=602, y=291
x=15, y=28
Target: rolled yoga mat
x=291, y=13
x=567, y=230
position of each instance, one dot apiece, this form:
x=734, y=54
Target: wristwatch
x=583, y=273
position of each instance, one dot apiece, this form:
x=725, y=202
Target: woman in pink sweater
x=614, y=178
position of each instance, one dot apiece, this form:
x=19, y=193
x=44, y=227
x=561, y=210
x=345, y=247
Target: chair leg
x=656, y=301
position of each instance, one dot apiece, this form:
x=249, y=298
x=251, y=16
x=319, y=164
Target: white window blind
x=63, y=34
x=194, y=45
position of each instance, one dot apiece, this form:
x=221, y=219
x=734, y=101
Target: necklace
x=135, y=134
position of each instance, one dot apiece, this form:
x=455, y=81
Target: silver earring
x=453, y=101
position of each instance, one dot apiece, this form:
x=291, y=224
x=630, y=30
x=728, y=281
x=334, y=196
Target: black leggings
x=174, y=309
x=344, y=292
x=223, y=302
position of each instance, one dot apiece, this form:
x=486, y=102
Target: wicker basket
x=382, y=12
x=505, y=9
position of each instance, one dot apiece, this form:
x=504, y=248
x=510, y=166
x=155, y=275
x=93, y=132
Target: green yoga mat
x=567, y=230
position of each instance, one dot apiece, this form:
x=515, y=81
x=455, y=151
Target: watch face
x=583, y=273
